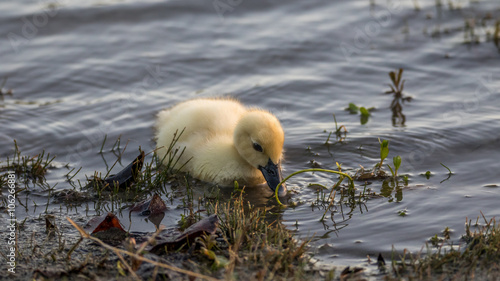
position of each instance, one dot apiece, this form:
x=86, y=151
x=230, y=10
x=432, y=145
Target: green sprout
x=397, y=163
x=384, y=151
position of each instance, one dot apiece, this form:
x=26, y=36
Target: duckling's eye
x=257, y=147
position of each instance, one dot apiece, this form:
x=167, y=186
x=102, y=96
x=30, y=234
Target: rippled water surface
x=83, y=71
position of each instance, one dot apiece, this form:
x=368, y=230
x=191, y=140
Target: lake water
x=80, y=71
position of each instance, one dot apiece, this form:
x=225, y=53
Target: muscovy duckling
x=224, y=141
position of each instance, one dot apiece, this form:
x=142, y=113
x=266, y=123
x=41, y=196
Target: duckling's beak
x=272, y=174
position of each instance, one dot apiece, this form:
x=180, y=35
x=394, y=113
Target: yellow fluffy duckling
x=224, y=141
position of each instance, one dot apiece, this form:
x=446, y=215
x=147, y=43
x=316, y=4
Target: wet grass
x=476, y=257
x=28, y=168
x=251, y=242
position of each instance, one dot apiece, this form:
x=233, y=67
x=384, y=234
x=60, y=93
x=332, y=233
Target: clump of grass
x=246, y=246
x=253, y=244
x=28, y=168
x=156, y=175
x=471, y=261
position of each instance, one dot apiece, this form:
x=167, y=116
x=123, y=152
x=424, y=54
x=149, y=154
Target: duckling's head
x=259, y=138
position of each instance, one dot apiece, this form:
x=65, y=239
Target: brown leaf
x=205, y=226
x=151, y=206
x=50, y=223
x=109, y=221
x=108, y=228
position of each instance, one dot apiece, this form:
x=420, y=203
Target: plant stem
x=311, y=170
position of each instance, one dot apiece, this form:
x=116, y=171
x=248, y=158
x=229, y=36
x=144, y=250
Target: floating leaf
x=353, y=109
x=363, y=119
x=364, y=111
x=403, y=213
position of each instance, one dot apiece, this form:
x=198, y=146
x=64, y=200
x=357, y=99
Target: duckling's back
x=201, y=120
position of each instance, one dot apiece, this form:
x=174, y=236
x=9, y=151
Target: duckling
x=224, y=141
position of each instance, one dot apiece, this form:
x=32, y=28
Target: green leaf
x=384, y=149
x=364, y=119
x=364, y=111
x=392, y=172
x=353, y=108
x=397, y=162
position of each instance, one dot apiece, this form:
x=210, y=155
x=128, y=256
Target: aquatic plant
x=399, y=98
x=397, y=163
x=364, y=112
x=384, y=151
x=338, y=132
x=343, y=175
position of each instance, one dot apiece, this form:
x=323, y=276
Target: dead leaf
x=108, y=228
x=151, y=206
x=205, y=226
x=128, y=175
